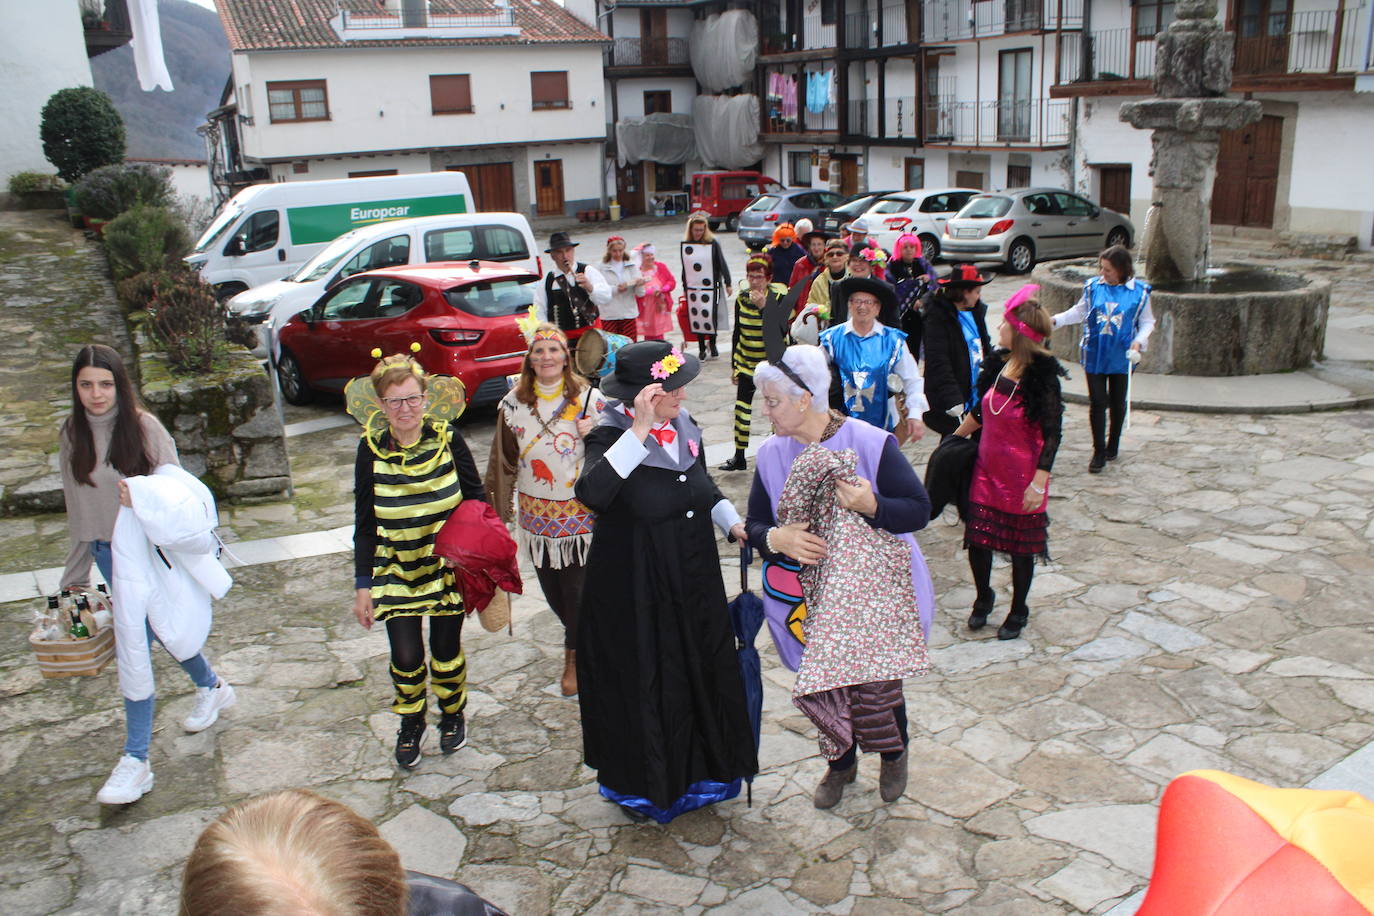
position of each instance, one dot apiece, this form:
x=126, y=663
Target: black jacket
x=947, y=377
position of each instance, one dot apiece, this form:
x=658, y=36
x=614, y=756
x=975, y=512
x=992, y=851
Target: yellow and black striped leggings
x=744, y=399
x=447, y=672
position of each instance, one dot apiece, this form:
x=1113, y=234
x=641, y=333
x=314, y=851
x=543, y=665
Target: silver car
x=1025, y=225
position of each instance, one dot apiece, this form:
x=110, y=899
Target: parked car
x=503, y=237
x=922, y=212
x=853, y=207
x=722, y=196
x=767, y=212
x=461, y=315
x=1025, y=225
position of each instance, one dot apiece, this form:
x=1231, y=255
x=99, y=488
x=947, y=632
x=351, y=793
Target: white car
x=503, y=237
x=922, y=212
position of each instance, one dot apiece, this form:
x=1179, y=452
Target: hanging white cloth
x=149, y=61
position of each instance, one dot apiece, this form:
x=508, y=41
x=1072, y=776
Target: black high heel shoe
x=1013, y=625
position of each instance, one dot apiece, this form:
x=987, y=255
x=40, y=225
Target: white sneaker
x=209, y=701
x=131, y=780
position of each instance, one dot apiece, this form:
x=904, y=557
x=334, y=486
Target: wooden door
x=969, y=180
x=629, y=189
x=849, y=176
x=1247, y=174
x=653, y=36
x=493, y=185
x=1116, y=187
x=1262, y=35
x=548, y=187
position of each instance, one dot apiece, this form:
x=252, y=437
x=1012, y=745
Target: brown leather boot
x=892, y=778
x=569, y=681
x=831, y=789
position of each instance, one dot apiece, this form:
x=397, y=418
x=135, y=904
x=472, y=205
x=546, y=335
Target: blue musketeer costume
x=863, y=363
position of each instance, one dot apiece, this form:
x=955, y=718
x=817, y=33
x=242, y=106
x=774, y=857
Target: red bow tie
x=664, y=434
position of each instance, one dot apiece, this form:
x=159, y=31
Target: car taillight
x=770, y=218
x=455, y=337
x=539, y=265
x=898, y=222
x=1002, y=225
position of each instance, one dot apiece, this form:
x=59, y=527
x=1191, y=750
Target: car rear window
x=985, y=207
x=493, y=298
x=764, y=203
x=468, y=243
x=890, y=205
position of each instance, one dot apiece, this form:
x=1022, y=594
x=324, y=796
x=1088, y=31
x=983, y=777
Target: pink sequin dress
x=655, y=305
x=1008, y=453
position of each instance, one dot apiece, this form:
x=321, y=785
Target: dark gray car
x=768, y=211
x=1025, y=225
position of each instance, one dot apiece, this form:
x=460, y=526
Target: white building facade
x=509, y=92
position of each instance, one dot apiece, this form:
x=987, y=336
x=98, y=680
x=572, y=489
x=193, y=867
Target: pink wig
x=906, y=238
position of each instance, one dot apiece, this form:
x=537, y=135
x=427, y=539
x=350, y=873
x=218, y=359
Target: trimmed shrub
x=145, y=238
x=187, y=321
x=81, y=131
x=110, y=190
x=136, y=292
x=28, y=182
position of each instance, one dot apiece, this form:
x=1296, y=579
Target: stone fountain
x=1210, y=320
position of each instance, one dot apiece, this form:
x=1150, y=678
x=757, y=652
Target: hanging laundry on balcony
x=723, y=49
x=789, y=98
x=732, y=140
x=819, y=84
x=149, y=61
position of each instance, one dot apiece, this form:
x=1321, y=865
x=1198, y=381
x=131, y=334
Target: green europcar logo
x=311, y=225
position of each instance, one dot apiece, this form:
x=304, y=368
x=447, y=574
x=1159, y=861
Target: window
x=1042, y=205
x=1073, y=205
x=668, y=177
x=305, y=100
x=914, y=171
x=764, y=204
x=395, y=298
x=450, y=94
x=799, y=165
x=386, y=253
x=1014, y=95
x=1018, y=176
x=348, y=301
x=549, y=89
x=890, y=205
x=1152, y=17
x=829, y=11
x=660, y=100
x=990, y=207
x=372, y=173
x=483, y=243
x=493, y=299
x=945, y=203
x=258, y=233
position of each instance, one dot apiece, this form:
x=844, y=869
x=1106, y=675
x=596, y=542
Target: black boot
x=1015, y=622
x=701, y=348
x=714, y=354
x=982, y=607
x=1098, y=462
x=736, y=463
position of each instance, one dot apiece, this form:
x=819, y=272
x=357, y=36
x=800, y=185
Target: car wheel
x=714, y=224
x=930, y=247
x=1118, y=236
x=294, y=388
x=226, y=291
x=1021, y=256
x=732, y=223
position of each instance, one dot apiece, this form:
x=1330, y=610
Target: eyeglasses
x=412, y=400
x=863, y=300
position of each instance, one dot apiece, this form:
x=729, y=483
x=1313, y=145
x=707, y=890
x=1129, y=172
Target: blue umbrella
x=746, y=616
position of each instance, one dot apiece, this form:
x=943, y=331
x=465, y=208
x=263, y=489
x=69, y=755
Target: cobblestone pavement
x=1208, y=607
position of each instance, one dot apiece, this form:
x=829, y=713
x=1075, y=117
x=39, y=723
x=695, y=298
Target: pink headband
x=1021, y=295
x=615, y=238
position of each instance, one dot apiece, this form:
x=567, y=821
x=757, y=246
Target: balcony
x=1307, y=42
x=886, y=27
x=962, y=20
x=106, y=25
x=1104, y=56
x=785, y=115
x=648, y=52
x=1000, y=124
x=777, y=36
x=416, y=20
x=898, y=121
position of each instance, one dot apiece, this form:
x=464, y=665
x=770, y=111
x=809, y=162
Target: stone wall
x=226, y=425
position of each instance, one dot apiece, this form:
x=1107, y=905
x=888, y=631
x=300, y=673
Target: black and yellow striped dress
x=747, y=351
x=402, y=498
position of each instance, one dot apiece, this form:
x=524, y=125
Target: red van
x=722, y=195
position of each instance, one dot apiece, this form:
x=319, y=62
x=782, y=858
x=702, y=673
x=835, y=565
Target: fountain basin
x=1240, y=320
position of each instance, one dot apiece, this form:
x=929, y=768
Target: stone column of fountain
x=1192, y=74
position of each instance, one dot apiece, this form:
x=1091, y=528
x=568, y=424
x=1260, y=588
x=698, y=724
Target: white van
x=503, y=237
x=267, y=231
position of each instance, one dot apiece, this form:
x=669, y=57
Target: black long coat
x=947, y=377
x=658, y=681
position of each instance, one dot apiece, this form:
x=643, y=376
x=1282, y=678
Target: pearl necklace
x=997, y=411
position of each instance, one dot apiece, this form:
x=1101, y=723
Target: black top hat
x=814, y=234
x=887, y=296
x=635, y=365
x=963, y=276
x=560, y=240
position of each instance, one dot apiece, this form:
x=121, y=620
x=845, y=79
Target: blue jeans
x=138, y=714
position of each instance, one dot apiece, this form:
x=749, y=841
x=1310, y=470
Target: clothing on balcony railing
x=782, y=97
x=820, y=91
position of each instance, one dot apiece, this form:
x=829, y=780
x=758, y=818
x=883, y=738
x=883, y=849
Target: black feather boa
x=1039, y=384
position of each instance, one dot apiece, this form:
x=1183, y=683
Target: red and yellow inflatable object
x=1228, y=846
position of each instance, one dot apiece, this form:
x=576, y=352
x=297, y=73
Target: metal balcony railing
x=884, y=27
x=998, y=123
x=1310, y=41
x=1104, y=55
x=420, y=18
x=955, y=20
x=648, y=52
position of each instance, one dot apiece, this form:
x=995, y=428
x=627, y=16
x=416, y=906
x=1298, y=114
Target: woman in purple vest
x=862, y=605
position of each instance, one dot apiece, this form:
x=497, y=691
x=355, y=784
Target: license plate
x=966, y=233
x=832, y=224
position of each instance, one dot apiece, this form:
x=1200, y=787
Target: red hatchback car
x=462, y=315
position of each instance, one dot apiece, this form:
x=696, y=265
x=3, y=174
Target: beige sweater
x=91, y=510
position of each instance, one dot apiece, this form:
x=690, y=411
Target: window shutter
x=549, y=88
x=450, y=93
